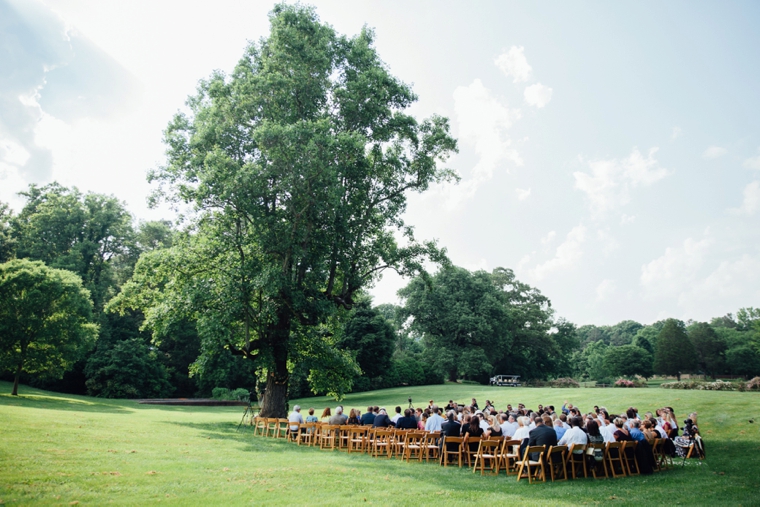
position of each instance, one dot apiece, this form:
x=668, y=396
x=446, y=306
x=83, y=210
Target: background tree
x=7, y=243
x=624, y=332
x=709, y=347
x=44, y=319
x=674, y=352
x=462, y=313
x=743, y=360
x=628, y=361
x=370, y=337
x=298, y=166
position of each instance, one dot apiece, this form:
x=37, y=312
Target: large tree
x=44, y=319
x=628, y=361
x=371, y=337
x=709, y=347
x=297, y=167
x=463, y=318
x=674, y=353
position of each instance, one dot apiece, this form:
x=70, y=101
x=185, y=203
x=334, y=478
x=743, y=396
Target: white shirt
x=295, y=417
x=434, y=423
x=395, y=418
x=661, y=431
x=608, y=432
x=509, y=428
x=531, y=426
x=522, y=433
x=574, y=435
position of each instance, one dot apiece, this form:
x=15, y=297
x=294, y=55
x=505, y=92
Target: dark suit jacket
x=540, y=435
x=406, y=423
x=451, y=429
x=382, y=421
x=368, y=418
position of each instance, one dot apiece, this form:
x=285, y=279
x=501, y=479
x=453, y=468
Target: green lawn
x=58, y=449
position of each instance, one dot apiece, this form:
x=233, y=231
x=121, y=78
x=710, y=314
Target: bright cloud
x=714, y=152
x=751, y=202
x=567, y=255
x=514, y=64
x=522, y=193
x=538, y=95
x=483, y=123
x=677, y=132
x=752, y=163
x=605, y=289
x=548, y=238
x=609, y=182
x=676, y=269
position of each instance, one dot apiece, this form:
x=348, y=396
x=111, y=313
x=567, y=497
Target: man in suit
x=542, y=434
x=451, y=428
x=368, y=417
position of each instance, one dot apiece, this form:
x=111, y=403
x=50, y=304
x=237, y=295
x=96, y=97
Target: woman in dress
x=494, y=429
x=311, y=417
x=649, y=432
x=353, y=418
x=326, y=414
x=621, y=432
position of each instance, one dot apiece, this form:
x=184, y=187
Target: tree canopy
x=297, y=165
x=674, y=352
x=45, y=319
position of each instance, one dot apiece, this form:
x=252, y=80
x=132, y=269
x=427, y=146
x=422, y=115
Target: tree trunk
x=275, y=399
x=16, y=379
x=678, y=376
x=274, y=403
x=453, y=374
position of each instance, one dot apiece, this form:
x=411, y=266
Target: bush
x=564, y=382
x=753, y=384
x=222, y=393
x=622, y=382
x=718, y=385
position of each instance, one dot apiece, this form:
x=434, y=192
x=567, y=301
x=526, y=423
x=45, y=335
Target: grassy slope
x=56, y=449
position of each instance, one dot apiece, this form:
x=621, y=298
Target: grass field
x=61, y=449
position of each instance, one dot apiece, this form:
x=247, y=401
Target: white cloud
x=609, y=243
x=605, y=289
x=676, y=269
x=714, y=152
x=548, y=238
x=608, y=184
x=751, y=202
x=483, y=123
x=538, y=95
x=567, y=255
x=627, y=219
x=752, y=163
x=522, y=193
x=514, y=64
x=727, y=287
x=677, y=132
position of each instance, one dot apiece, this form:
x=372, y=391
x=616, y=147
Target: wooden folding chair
x=470, y=448
x=430, y=445
x=663, y=459
x=357, y=437
x=370, y=439
x=631, y=461
x=261, y=426
x=487, y=454
x=272, y=427
x=343, y=436
x=306, y=433
x=656, y=450
x=328, y=438
x=452, y=446
x=555, y=461
x=535, y=468
x=590, y=452
x=615, y=459
x=576, y=460
x=397, y=443
x=414, y=446
x=282, y=428
x=381, y=445
x=510, y=456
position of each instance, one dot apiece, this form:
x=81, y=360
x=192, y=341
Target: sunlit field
x=58, y=449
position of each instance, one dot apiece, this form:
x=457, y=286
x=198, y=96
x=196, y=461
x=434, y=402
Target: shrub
x=718, y=385
x=222, y=393
x=621, y=382
x=753, y=384
x=564, y=382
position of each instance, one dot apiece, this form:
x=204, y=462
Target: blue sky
x=609, y=151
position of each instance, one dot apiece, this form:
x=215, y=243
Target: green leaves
x=44, y=319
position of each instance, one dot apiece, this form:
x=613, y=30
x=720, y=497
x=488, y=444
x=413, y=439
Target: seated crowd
x=543, y=426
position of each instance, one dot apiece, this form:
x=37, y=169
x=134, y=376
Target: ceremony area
x=78, y=450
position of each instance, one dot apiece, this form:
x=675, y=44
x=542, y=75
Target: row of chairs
x=484, y=455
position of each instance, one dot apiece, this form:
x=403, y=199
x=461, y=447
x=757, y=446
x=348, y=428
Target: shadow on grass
x=60, y=402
